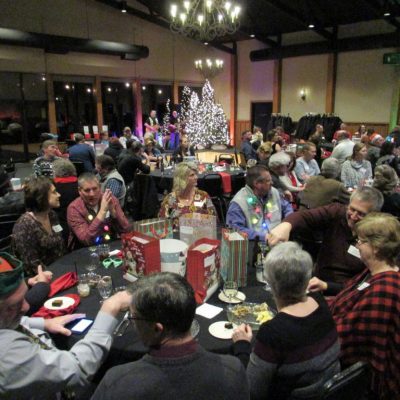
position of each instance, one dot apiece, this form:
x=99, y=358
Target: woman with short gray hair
x=386, y=181
x=296, y=352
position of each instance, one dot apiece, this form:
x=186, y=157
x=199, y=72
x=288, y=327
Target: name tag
x=363, y=286
x=57, y=228
x=363, y=170
x=354, y=251
x=108, y=214
x=199, y=204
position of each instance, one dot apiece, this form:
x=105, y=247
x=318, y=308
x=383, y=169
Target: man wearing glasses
x=176, y=367
x=338, y=259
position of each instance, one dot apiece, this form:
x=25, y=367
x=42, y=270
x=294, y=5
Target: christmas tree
x=185, y=103
x=206, y=120
x=166, y=119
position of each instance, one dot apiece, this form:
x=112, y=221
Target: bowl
x=253, y=314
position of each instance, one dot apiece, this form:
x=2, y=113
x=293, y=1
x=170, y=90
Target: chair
x=7, y=222
x=351, y=384
x=227, y=158
x=5, y=244
x=80, y=168
x=212, y=184
x=237, y=182
x=242, y=160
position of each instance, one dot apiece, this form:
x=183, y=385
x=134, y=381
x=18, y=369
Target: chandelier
x=209, y=68
x=205, y=19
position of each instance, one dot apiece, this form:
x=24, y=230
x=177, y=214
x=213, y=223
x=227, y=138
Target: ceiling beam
x=299, y=18
x=155, y=20
x=341, y=45
x=376, y=7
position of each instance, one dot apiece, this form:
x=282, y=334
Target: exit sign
x=391, y=58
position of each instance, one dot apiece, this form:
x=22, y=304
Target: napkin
x=208, y=311
x=46, y=313
x=226, y=182
x=63, y=282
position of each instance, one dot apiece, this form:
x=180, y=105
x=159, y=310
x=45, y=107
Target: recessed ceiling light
x=159, y=91
x=387, y=14
x=252, y=36
x=67, y=87
x=109, y=89
x=143, y=87
x=311, y=26
x=206, y=43
x=123, y=6
x=127, y=84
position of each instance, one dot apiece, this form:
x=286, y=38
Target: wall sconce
x=303, y=94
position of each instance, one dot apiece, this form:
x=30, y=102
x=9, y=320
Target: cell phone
x=81, y=326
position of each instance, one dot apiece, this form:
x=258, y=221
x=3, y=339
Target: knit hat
x=376, y=138
x=11, y=274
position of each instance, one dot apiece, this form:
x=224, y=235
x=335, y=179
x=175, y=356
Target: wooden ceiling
x=271, y=20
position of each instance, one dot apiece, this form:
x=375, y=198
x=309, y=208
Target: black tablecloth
x=164, y=180
x=129, y=347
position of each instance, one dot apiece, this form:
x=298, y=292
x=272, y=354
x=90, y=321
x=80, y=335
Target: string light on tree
x=166, y=119
x=185, y=103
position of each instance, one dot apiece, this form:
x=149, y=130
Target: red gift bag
x=141, y=254
x=202, y=268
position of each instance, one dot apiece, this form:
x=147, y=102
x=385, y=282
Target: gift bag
x=234, y=255
x=141, y=254
x=158, y=228
x=194, y=226
x=202, y=268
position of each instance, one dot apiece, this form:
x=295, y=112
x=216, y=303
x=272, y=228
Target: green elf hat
x=11, y=274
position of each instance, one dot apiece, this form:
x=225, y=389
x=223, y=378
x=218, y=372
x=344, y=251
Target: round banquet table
x=128, y=347
x=164, y=180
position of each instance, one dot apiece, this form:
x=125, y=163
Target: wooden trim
x=277, y=87
x=331, y=83
x=175, y=93
x=99, y=102
x=233, y=95
x=137, y=98
x=241, y=126
x=51, y=104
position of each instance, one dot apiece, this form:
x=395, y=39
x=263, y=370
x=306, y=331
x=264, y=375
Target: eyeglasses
x=361, y=241
x=359, y=213
x=135, y=318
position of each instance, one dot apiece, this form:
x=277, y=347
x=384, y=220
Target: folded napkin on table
x=226, y=182
x=63, y=282
x=46, y=313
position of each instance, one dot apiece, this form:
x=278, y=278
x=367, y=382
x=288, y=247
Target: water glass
x=94, y=259
x=230, y=289
x=103, y=251
x=105, y=287
x=83, y=285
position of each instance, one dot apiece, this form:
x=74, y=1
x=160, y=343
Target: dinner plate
x=218, y=330
x=66, y=302
x=240, y=296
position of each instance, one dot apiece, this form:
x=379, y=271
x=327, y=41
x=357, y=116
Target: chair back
x=227, y=158
x=212, y=184
x=350, y=384
x=238, y=181
x=5, y=244
x=242, y=160
x=80, y=167
x=7, y=222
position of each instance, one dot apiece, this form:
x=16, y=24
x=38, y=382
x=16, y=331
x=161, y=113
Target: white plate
x=240, y=296
x=218, y=330
x=67, y=302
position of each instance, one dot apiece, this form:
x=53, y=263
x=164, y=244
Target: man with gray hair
x=176, y=367
x=338, y=259
x=344, y=148
x=94, y=217
x=324, y=189
x=258, y=207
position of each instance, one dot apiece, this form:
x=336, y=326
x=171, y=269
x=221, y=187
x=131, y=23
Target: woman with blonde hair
x=185, y=196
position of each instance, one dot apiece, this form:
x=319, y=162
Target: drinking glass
x=264, y=249
x=103, y=251
x=230, y=289
x=94, y=260
x=83, y=285
x=105, y=287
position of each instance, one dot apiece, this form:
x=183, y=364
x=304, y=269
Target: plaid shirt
x=368, y=324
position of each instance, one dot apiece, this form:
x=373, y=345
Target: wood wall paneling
x=331, y=83
x=51, y=104
x=241, y=126
x=99, y=102
x=277, y=87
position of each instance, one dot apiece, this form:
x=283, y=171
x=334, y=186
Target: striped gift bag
x=234, y=255
x=158, y=228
